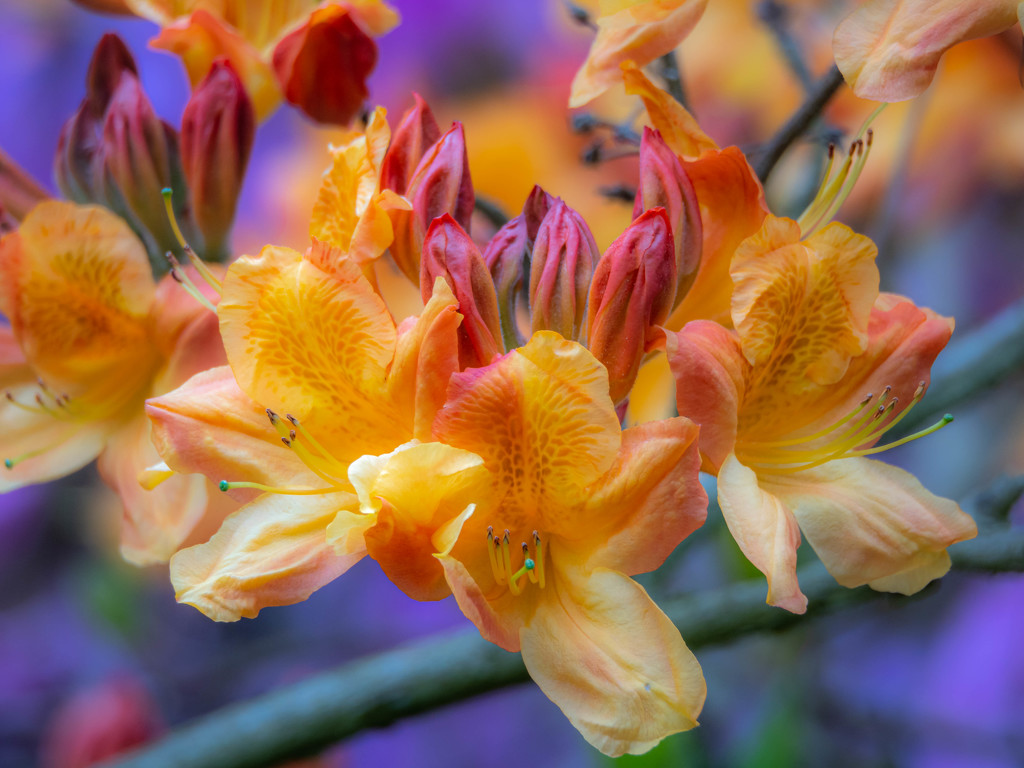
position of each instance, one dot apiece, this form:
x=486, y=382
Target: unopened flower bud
x=508, y=258
x=450, y=253
x=141, y=158
x=561, y=268
x=664, y=183
x=322, y=66
x=441, y=184
x=79, y=161
x=631, y=294
x=417, y=132
x=217, y=132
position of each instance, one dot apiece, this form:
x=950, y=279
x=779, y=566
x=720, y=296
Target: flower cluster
x=476, y=449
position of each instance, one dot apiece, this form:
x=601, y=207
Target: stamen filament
x=506, y=557
x=224, y=485
x=947, y=419
x=492, y=545
x=186, y=282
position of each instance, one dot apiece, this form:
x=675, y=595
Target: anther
x=291, y=434
x=286, y=441
x=272, y=416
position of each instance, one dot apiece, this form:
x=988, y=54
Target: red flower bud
x=508, y=258
x=79, y=160
x=631, y=295
x=450, y=253
x=441, y=184
x=664, y=183
x=417, y=132
x=322, y=66
x=561, y=268
x=99, y=723
x=217, y=132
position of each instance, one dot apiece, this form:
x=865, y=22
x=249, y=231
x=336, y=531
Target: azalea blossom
x=91, y=336
x=319, y=376
x=279, y=48
x=566, y=507
x=793, y=402
x=889, y=50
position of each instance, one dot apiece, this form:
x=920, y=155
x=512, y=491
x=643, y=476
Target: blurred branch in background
x=797, y=125
x=305, y=718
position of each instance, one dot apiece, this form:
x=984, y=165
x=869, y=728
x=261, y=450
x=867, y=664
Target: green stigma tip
x=166, y=192
x=223, y=485
x=529, y=564
x=947, y=418
x=8, y=463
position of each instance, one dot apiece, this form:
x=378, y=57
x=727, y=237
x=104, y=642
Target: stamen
x=224, y=485
x=859, y=428
x=185, y=282
x=947, y=419
x=506, y=557
x=834, y=190
x=538, y=552
x=496, y=569
x=193, y=257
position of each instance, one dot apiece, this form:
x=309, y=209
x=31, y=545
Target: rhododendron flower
x=351, y=209
x=316, y=55
x=319, y=376
x=632, y=30
x=793, y=402
x=567, y=507
x=888, y=50
x=91, y=336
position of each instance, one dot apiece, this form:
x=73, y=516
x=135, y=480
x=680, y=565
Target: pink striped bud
x=561, y=268
x=141, y=158
x=664, y=183
x=508, y=258
x=441, y=184
x=217, y=132
x=417, y=132
x=450, y=253
x=79, y=161
x=631, y=294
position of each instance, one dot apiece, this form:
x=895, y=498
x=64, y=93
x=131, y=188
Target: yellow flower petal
x=540, y=417
x=803, y=304
x=765, y=531
x=314, y=345
x=871, y=522
x=271, y=552
x=888, y=50
x=78, y=290
x=631, y=681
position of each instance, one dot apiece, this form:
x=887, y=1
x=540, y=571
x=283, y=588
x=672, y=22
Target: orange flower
x=632, y=30
x=315, y=55
x=311, y=346
x=90, y=338
x=786, y=424
x=566, y=507
x=351, y=209
x=888, y=50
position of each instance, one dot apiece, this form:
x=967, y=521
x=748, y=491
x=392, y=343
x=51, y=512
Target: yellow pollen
x=499, y=552
x=861, y=426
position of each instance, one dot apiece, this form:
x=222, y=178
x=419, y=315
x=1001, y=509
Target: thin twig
x=823, y=91
x=305, y=718
x=776, y=17
x=491, y=211
x=668, y=68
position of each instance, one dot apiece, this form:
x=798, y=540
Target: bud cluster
x=116, y=151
